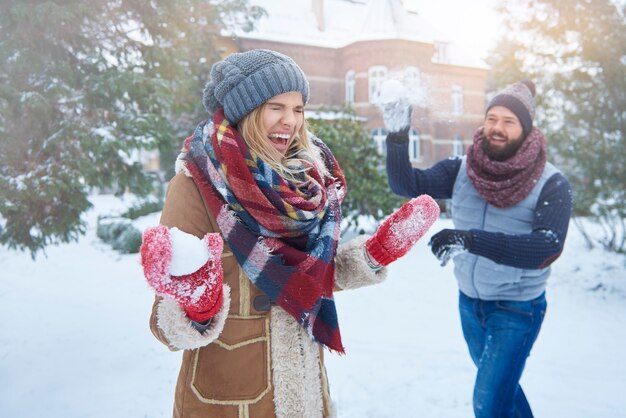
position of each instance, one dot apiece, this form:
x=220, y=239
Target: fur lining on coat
x=296, y=369
x=179, y=330
x=352, y=270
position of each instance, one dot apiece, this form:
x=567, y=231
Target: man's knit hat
x=518, y=98
x=246, y=80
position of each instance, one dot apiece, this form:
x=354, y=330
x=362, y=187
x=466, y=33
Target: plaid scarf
x=283, y=234
x=506, y=183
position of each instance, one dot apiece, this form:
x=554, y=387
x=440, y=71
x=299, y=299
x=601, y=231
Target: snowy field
x=75, y=343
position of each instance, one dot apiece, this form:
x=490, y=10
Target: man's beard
x=503, y=153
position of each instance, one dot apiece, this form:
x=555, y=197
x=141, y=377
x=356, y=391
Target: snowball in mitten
x=185, y=268
x=402, y=229
x=395, y=106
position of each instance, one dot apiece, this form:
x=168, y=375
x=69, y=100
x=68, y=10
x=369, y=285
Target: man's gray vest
x=480, y=277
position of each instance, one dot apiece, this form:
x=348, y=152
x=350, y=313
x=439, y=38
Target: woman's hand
x=397, y=234
x=185, y=268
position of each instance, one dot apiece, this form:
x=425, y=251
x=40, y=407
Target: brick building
x=348, y=47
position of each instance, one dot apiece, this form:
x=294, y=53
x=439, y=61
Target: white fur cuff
x=352, y=270
x=179, y=330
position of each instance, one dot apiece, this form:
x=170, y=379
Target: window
x=350, y=83
x=379, y=135
x=457, y=100
x=412, y=78
x=441, y=52
x=457, y=146
x=376, y=75
x=415, y=152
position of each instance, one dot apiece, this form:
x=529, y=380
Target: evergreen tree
x=83, y=87
x=362, y=165
x=575, y=51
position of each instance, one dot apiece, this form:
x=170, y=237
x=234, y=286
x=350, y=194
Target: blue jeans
x=499, y=335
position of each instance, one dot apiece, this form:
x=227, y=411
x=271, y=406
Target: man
x=511, y=212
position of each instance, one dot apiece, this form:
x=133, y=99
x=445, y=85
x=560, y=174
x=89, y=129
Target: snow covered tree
x=575, y=52
x=362, y=165
x=83, y=87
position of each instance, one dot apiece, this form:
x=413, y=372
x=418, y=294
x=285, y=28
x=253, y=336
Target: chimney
x=318, y=11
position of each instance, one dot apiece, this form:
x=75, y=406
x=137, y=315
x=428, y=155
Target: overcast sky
x=472, y=24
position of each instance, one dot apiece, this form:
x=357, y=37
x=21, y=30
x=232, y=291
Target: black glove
x=447, y=243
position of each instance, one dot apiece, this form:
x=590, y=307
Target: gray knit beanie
x=246, y=80
x=518, y=98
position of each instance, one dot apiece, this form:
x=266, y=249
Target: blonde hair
x=298, y=158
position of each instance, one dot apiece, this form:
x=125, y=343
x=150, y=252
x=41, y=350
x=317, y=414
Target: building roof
x=337, y=23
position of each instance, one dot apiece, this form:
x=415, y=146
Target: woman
x=254, y=311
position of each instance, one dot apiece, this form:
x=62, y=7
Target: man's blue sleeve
x=544, y=244
x=405, y=180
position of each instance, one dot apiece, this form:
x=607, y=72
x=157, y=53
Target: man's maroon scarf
x=506, y=183
x=284, y=234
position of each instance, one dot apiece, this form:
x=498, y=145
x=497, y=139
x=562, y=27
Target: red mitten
x=397, y=234
x=185, y=268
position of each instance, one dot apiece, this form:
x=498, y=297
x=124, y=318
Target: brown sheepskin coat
x=254, y=361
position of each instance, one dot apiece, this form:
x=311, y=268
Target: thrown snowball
x=391, y=91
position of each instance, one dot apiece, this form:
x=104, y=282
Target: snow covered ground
x=75, y=343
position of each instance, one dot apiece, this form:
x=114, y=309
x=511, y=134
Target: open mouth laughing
x=280, y=140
